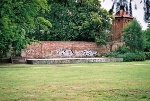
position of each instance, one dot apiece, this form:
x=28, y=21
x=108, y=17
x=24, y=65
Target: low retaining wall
x=72, y=60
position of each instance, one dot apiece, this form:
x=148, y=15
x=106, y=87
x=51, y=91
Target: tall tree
x=133, y=36
x=80, y=20
x=18, y=17
x=147, y=40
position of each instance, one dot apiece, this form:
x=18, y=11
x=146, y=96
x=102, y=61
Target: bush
x=112, y=54
x=136, y=56
x=129, y=56
x=122, y=50
x=147, y=54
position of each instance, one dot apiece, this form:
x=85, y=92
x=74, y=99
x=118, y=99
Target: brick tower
x=121, y=19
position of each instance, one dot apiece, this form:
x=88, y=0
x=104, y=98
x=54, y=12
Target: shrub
x=136, y=56
x=147, y=54
x=129, y=56
x=122, y=50
x=112, y=54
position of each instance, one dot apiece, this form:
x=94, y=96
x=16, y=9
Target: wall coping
x=72, y=60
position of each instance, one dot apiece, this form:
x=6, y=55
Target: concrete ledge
x=72, y=60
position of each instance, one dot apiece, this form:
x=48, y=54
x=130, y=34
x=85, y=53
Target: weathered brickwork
x=59, y=49
x=122, y=18
x=51, y=49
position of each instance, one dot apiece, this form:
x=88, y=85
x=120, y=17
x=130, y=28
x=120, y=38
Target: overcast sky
x=138, y=14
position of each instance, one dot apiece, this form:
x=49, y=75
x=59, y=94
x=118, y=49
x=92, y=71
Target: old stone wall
x=59, y=49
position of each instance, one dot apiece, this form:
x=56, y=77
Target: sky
x=138, y=14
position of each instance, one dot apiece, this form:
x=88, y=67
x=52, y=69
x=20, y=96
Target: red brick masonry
x=57, y=49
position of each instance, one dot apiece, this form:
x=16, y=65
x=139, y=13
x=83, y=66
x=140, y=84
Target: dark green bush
x=112, y=54
x=130, y=56
x=147, y=55
x=122, y=50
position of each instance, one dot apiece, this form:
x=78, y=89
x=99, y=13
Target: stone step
x=72, y=60
x=18, y=60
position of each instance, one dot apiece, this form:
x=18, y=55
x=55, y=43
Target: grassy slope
x=120, y=81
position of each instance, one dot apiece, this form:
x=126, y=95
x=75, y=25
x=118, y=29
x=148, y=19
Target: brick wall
x=52, y=49
x=57, y=49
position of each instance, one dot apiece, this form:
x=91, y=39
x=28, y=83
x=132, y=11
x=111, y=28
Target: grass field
x=118, y=81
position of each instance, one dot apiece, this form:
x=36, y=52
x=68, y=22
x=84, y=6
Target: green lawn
x=118, y=81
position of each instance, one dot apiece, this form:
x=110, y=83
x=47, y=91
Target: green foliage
x=129, y=56
x=23, y=20
x=78, y=20
x=120, y=50
x=17, y=18
x=41, y=30
x=147, y=40
x=133, y=36
x=134, y=44
x=136, y=56
x=147, y=54
x=124, y=52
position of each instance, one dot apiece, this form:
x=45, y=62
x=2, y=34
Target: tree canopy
x=47, y=20
x=79, y=20
x=18, y=17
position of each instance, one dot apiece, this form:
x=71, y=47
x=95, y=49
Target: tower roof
x=123, y=13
